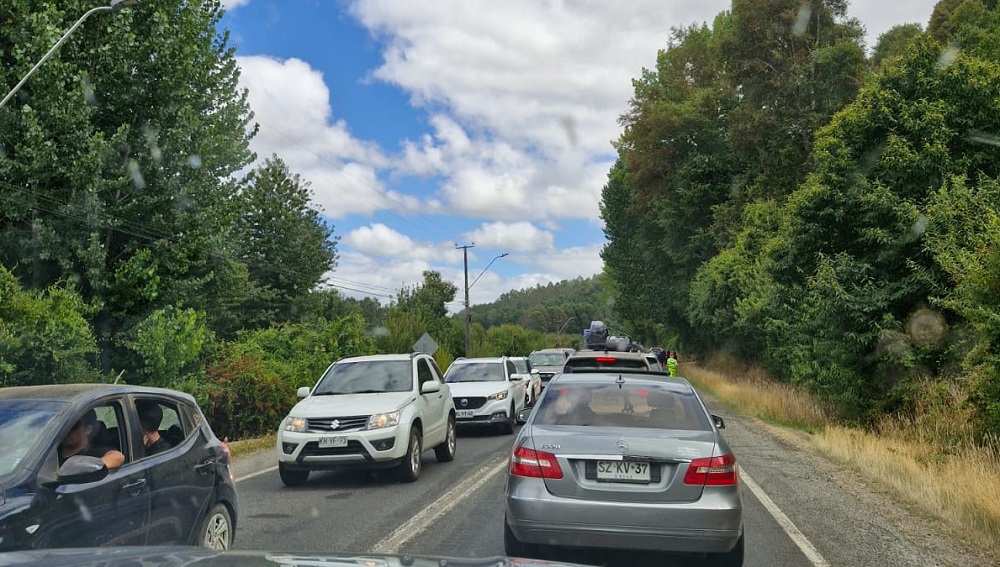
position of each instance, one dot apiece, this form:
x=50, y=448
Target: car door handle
x=205, y=466
x=134, y=487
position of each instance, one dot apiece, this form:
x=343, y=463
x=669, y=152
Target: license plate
x=632, y=471
x=463, y=413
x=332, y=442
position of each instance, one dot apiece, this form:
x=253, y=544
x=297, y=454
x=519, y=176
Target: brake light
x=606, y=359
x=534, y=464
x=713, y=471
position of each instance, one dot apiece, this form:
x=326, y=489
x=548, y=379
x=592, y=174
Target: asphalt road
x=797, y=510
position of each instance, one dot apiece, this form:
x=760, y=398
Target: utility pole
x=468, y=316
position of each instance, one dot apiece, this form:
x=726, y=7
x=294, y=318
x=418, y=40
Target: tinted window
x=633, y=405
x=424, y=373
x=160, y=423
x=20, y=423
x=366, y=377
x=475, y=372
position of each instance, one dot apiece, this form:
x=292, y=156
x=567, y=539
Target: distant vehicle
x=488, y=391
x=534, y=387
x=53, y=493
x=597, y=336
x=380, y=411
x=653, y=362
x=623, y=461
x=548, y=362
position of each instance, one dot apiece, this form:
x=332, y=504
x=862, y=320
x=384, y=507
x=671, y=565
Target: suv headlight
x=499, y=396
x=296, y=424
x=383, y=420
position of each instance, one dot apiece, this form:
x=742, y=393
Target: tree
x=893, y=43
x=118, y=156
x=284, y=242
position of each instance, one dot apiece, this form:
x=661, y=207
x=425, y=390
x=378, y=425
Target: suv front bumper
x=322, y=450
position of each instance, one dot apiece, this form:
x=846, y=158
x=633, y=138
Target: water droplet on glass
x=314, y=513
x=926, y=327
x=802, y=20
x=194, y=161
x=380, y=332
x=135, y=174
x=85, y=513
x=984, y=138
x=947, y=57
x=919, y=227
x=88, y=91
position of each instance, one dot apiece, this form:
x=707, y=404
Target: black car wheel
x=217, y=529
x=734, y=558
x=292, y=478
x=514, y=547
x=508, y=426
x=409, y=469
x=445, y=452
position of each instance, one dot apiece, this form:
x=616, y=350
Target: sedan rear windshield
x=21, y=421
x=647, y=406
x=475, y=372
x=366, y=377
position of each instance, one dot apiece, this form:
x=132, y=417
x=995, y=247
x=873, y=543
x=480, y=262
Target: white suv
x=487, y=391
x=371, y=412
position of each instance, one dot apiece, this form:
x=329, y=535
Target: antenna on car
x=620, y=381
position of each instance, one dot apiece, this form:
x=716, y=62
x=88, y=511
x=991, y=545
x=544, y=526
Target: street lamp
x=468, y=286
x=563, y=328
x=114, y=5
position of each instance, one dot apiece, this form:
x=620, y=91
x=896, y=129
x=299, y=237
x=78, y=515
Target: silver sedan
x=623, y=461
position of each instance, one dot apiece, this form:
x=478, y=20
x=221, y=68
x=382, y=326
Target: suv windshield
x=475, y=372
x=20, y=422
x=547, y=359
x=367, y=377
x=632, y=405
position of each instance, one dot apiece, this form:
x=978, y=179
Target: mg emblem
x=335, y=424
x=464, y=402
x=622, y=445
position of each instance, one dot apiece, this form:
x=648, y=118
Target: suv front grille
x=469, y=403
x=337, y=424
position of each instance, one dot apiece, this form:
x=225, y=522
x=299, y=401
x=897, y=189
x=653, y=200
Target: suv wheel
x=292, y=478
x=508, y=426
x=217, y=529
x=409, y=469
x=445, y=452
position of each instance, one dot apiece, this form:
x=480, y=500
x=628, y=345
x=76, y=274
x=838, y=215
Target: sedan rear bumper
x=713, y=524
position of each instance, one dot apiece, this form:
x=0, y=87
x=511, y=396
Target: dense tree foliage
x=830, y=231
x=568, y=305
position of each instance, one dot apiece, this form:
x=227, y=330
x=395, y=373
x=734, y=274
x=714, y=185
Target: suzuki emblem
x=335, y=424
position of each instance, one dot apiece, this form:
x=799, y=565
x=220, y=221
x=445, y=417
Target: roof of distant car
x=658, y=379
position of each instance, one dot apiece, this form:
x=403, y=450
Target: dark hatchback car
x=178, y=490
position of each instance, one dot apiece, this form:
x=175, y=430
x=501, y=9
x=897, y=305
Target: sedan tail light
x=535, y=464
x=713, y=471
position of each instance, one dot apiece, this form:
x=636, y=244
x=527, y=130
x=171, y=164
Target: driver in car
x=79, y=441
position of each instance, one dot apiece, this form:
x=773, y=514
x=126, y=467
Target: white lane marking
x=423, y=520
x=254, y=474
x=786, y=524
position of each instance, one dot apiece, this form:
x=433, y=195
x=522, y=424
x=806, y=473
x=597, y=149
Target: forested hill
x=573, y=303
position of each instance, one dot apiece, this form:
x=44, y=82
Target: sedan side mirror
x=522, y=416
x=719, y=422
x=430, y=386
x=516, y=377
x=302, y=392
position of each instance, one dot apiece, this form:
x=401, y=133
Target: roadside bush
x=240, y=396
x=167, y=346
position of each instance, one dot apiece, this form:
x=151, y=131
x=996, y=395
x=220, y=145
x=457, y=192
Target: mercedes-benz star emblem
x=464, y=402
x=622, y=445
x=335, y=424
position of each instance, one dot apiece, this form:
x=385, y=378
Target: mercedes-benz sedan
x=630, y=461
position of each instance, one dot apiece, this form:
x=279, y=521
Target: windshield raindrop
x=947, y=57
x=135, y=174
x=194, y=161
x=802, y=20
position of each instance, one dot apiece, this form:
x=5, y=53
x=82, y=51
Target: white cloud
x=230, y=5
x=517, y=236
x=379, y=241
x=291, y=102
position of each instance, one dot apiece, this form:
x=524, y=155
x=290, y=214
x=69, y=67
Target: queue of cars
x=614, y=453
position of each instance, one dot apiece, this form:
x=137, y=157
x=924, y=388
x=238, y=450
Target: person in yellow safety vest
x=672, y=363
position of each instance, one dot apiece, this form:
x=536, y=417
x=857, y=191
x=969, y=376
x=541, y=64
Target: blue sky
x=426, y=124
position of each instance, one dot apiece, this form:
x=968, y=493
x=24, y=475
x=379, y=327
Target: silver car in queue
x=623, y=460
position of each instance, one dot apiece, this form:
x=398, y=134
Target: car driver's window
x=98, y=432
x=424, y=373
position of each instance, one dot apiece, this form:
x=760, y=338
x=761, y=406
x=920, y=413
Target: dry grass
x=929, y=461
x=244, y=447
